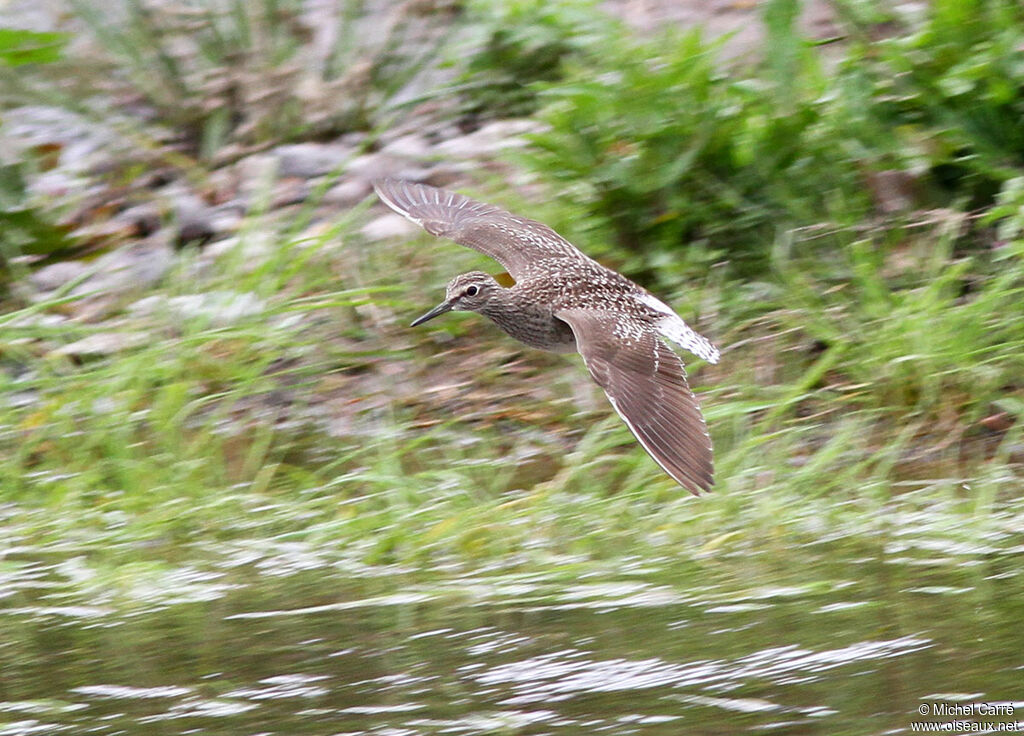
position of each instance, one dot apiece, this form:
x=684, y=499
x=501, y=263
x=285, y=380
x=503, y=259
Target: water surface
x=834, y=638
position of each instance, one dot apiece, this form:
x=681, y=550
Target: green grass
x=871, y=372
x=228, y=77
x=680, y=164
x=323, y=418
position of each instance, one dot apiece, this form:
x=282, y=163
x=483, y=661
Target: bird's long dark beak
x=445, y=306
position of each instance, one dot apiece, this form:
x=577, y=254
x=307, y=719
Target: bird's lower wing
x=646, y=384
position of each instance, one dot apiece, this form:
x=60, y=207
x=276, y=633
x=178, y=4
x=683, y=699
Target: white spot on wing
x=675, y=329
x=656, y=304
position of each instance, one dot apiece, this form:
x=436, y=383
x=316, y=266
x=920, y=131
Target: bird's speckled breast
x=537, y=328
x=532, y=323
x=553, y=284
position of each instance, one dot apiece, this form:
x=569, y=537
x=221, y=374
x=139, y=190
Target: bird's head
x=467, y=292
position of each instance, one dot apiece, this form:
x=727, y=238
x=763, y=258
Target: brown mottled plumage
x=565, y=301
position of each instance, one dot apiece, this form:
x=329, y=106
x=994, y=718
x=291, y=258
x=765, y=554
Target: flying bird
x=564, y=301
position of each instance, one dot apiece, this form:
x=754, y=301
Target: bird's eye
x=472, y=291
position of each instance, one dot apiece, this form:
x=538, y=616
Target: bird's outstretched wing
x=646, y=383
x=513, y=241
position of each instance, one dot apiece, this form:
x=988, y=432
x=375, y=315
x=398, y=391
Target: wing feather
x=513, y=241
x=646, y=384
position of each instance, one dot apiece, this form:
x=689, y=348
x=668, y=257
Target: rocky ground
x=139, y=211
x=738, y=19
x=139, y=225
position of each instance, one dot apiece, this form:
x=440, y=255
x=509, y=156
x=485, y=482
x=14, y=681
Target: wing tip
x=385, y=189
x=698, y=487
x=389, y=190
x=398, y=195
x=697, y=476
x=697, y=480
x=383, y=183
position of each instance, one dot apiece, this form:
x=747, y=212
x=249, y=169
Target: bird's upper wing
x=511, y=240
x=646, y=383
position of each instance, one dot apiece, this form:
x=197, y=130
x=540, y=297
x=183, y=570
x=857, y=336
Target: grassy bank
x=873, y=343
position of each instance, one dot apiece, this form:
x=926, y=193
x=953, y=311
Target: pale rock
x=347, y=193
x=308, y=160
x=101, y=343
x=57, y=275
x=489, y=140
x=220, y=308
x=387, y=227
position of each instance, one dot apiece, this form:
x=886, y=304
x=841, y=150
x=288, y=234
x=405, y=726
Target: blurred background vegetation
x=204, y=317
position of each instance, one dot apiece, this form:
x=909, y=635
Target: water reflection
x=565, y=674
x=844, y=642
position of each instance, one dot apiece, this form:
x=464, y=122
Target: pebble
x=254, y=176
x=288, y=192
x=220, y=308
x=119, y=272
x=253, y=249
x=308, y=160
x=193, y=216
x=101, y=343
x=372, y=166
x=388, y=226
x=144, y=218
x=410, y=147
x=56, y=275
x=489, y=140
x=347, y=193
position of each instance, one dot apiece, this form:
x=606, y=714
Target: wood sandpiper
x=564, y=301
